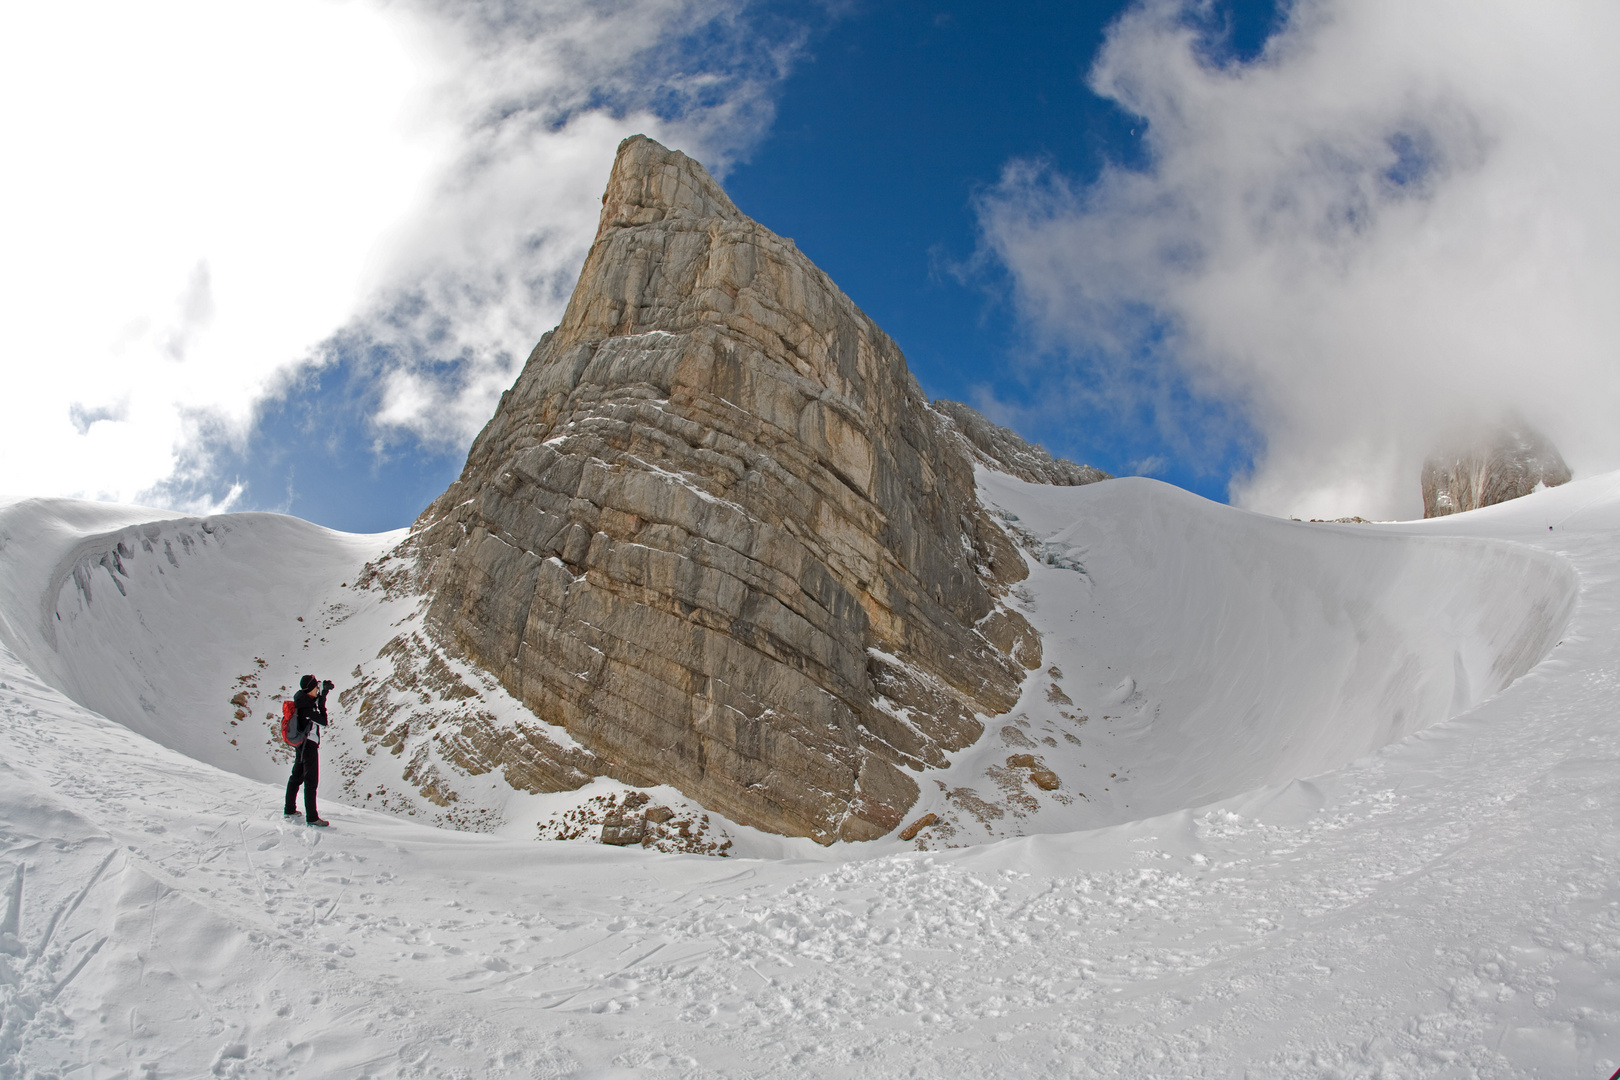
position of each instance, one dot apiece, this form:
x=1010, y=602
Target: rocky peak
x=1505, y=461
x=715, y=537
x=1003, y=449
x=651, y=184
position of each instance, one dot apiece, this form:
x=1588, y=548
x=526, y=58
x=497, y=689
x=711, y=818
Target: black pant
x=306, y=771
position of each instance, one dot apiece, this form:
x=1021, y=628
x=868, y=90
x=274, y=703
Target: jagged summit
x=651, y=183
x=1501, y=461
x=1006, y=451
x=715, y=532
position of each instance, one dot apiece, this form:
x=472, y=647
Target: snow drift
x=153, y=621
x=1194, y=651
x=1202, y=651
x=1443, y=907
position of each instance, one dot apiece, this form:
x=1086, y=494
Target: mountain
x=1357, y=787
x=1279, y=798
x=1003, y=450
x=716, y=533
x=1506, y=461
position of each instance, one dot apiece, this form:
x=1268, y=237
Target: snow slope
x=1443, y=906
x=154, y=623
x=192, y=631
x=1193, y=651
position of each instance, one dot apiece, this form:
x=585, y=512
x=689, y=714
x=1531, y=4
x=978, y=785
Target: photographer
x=310, y=702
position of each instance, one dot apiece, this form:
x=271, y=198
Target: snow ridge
x=1441, y=907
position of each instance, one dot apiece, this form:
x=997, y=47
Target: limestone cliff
x=715, y=531
x=1002, y=449
x=1509, y=460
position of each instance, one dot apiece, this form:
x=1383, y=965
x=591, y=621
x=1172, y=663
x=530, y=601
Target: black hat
x=306, y=682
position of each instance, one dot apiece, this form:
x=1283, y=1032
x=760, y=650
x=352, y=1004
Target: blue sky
x=883, y=141
x=892, y=122
x=1273, y=252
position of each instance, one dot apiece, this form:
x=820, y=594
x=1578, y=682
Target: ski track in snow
x=1444, y=907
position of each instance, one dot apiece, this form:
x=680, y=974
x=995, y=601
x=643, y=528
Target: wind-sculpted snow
x=1444, y=907
x=158, y=623
x=1195, y=651
x=191, y=632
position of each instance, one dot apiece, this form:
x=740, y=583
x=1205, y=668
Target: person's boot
x=319, y=822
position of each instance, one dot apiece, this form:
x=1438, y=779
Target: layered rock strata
x=1509, y=461
x=715, y=531
x=1004, y=450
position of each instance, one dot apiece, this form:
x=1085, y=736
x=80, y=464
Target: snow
x=1298, y=883
x=1212, y=651
x=201, y=598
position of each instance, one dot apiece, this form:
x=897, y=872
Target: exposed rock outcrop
x=715, y=531
x=1002, y=449
x=1510, y=460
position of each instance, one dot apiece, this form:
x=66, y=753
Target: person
x=310, y=703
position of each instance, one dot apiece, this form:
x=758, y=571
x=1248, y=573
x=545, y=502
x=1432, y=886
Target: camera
x=326, y=684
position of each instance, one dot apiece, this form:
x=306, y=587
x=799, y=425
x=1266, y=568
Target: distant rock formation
x=1510, y=460
x=1001, y=449
x=716, y=533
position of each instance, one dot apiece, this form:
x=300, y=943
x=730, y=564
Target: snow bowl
x=152, y=621
x=1221, y=651
x=1211, y=651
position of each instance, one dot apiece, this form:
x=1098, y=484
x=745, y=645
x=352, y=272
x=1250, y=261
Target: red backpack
x=289, y=724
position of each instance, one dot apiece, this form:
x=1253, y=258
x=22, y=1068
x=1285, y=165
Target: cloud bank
x=1399, y=219
x=541, y=96
x=204, y=200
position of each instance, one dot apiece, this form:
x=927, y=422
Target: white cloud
x=1399, y=218
x=199, y=196
x=543, y=97
x=192, y=194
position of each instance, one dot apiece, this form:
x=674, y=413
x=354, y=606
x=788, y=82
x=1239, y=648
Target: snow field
x=152, y=623
x=1193, y=652
x=1343, y=930
x=1445, y=906
x=192, y=631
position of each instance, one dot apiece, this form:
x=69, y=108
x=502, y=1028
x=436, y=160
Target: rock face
x=715, y=531
x=1510, y=461
x=1002, y=449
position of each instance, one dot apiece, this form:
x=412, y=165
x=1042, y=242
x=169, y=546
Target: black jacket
x=311, y=711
